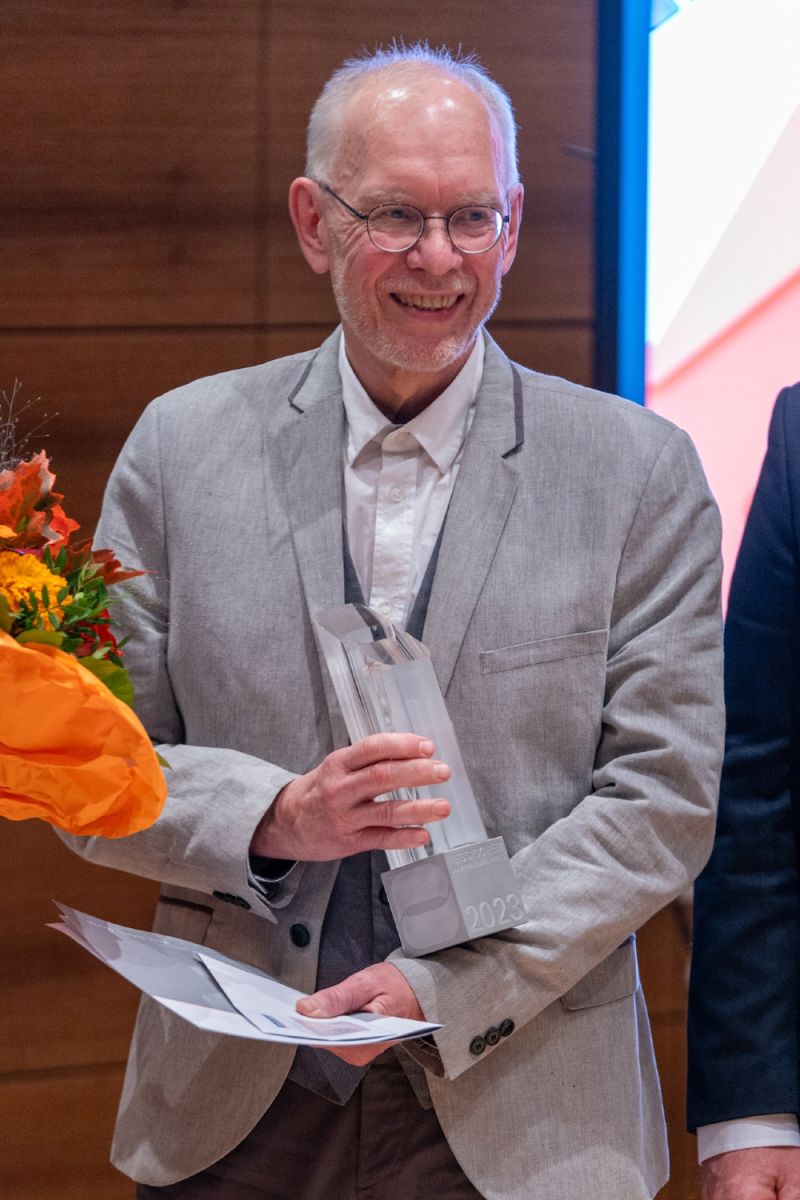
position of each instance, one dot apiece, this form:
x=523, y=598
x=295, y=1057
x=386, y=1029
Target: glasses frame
x=505, y=220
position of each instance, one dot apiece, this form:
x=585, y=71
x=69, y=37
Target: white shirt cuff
x=773, y=1129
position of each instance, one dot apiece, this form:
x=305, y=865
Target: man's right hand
x=331, y=812
x=760, y=1173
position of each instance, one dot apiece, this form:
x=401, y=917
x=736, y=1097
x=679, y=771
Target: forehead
x=425, y=131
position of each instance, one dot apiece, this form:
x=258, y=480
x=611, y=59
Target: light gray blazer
x=575, y=629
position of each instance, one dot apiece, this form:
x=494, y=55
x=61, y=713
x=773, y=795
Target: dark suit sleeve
x=744, y=1004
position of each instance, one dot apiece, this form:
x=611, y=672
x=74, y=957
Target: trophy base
x=453, y=897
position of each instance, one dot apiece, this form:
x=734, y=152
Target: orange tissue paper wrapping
x=71, y=753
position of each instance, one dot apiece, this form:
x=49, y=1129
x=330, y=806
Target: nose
x=434, y=252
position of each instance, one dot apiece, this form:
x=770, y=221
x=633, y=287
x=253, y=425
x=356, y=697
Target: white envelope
x=220, y=995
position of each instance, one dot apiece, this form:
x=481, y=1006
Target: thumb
x=351, y=995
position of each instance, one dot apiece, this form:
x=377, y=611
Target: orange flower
x=22, y=575
x=23, y=488
x=73, y=755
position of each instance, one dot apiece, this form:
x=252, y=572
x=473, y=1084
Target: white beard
x=394, y=349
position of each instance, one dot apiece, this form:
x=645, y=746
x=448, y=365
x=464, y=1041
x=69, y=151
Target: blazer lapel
x=481, y=502
x=309, y=449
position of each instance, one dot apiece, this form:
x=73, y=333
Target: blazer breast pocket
x=612, y=979
x=544, y=650
x=179, y=914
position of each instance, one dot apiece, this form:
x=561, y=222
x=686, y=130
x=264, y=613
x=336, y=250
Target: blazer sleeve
x=745, y=983
x=197, y=842
x=644, y=831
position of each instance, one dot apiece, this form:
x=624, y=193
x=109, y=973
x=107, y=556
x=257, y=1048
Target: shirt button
x=396, y=495
x=299, y=935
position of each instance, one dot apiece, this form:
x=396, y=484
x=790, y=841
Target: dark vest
x=358, y=929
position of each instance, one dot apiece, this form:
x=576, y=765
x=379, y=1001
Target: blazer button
x=507, y=1027
x=492, y=1035
x=477, y=1046
x=299, y=935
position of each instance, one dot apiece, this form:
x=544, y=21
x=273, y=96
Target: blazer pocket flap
x=613, y=979
x=525, y=654
x=181, y=913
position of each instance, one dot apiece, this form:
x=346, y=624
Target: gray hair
x=399, y=60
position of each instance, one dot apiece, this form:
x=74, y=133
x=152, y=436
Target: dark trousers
x=380, y=1145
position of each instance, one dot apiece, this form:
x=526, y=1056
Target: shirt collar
x=440, y=428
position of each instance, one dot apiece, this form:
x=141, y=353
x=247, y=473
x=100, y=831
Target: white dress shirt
x=398, y=480
x=745, y=1133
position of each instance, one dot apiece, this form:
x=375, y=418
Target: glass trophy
x=460, y=885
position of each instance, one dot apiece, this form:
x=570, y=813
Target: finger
x=397, y=813
x=392, y=775
x=378, y=838
x=379, y=746
x=360, y=1056
x=348, y=996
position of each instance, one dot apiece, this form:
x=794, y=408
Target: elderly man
x=558, y=551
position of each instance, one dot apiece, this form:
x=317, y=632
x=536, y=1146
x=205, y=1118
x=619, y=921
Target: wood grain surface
x=148, y=149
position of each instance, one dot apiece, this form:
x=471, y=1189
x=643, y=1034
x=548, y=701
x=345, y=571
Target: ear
x=308, y=225
x=515, y=197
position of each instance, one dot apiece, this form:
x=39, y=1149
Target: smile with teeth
x=411, y=300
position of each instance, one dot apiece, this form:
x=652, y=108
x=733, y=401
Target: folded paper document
x=218, y=994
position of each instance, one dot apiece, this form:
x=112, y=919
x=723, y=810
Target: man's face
x=434, y=146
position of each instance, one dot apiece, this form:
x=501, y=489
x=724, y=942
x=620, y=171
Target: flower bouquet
x=72, y=751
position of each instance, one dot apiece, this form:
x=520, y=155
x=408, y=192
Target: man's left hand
x=381, y=989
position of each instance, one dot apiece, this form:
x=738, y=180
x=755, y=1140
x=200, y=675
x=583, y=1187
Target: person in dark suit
x=744, y=1004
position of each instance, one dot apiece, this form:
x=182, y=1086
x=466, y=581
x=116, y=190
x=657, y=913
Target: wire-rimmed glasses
x=397, y=227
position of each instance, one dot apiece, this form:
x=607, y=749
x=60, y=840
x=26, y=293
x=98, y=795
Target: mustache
x=450, y=286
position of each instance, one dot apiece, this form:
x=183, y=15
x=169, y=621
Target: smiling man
x=557, y=549
x=440, y=201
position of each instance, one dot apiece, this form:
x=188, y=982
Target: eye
x=476, y=217
x=395, y=212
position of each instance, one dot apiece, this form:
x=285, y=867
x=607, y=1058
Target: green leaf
x=6, y=619
x=48, y=636
x=116, y=679
x=162, y=762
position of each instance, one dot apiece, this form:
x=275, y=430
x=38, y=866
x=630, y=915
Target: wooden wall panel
x=564, y=350
x=56, y=1131
x=61, y=1008
x=130, y=162
x=664, y=963
x=96, y=384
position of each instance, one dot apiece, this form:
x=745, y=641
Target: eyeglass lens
x=398, y=226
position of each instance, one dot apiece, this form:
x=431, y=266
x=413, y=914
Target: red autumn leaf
x=30, y=507
x=110, y=569
x=21, y=489
x=59, y=528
